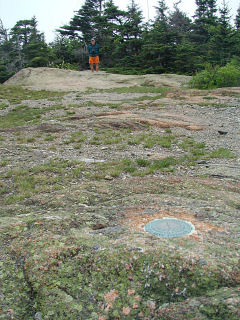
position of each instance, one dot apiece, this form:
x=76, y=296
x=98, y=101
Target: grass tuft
x=22, y=114
x=16, y=94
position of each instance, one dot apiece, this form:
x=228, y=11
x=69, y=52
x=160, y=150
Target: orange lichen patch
x=111, y=296
x=131, y=291
x=170, y=124
x=126, y=310
x=135, y=305
x=195, y=237
x=163, y=122
x=136, y=219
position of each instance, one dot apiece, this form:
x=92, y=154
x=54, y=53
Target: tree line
x=170, y=43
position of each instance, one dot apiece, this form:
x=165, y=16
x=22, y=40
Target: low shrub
x=38, y=62
x=216, y=77
x=228, y=76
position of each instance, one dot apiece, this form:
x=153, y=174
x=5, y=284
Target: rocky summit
x=86, y=161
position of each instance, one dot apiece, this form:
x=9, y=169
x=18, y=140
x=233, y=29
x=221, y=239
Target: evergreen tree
x=85, y=23
x=181, y=27
x=131, y=32
x=68, y=51
x=221, y=42
x=237, y=20
x=170, y=43
x=4, y=43
x=114, y=19
x=159, y=43
x=237, y=35
x=112, y=39
x=3, y=33
x=180, y=24
x=102, y=20
x=5, y=48
x=29, y=45
x=161, y=11
x=205, y=18
x=134, y=18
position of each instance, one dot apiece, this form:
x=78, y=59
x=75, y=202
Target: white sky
x=52, y=14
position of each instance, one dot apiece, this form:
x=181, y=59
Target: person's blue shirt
x=93, y=50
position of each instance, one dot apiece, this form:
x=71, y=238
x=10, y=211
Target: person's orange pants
x=94, y=60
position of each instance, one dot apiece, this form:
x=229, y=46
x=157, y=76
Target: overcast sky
x=52, y=14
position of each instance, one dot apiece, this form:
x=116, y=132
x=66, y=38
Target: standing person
x=93, y=50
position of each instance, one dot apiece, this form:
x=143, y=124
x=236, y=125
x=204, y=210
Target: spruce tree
x=85, y=23
x=131, y=35
x=158, y=43
x=181, y=27
x=180, y=24
x=6, y=68
x=205, y=19
x=237, y=19
x=221, y=42
x=112, y=38
x=29, y=47
x=237, y=35
x=5, y=47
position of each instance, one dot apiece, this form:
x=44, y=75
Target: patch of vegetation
x=39, y=179
x=143, y=98
x=15, y=94
x=25, y=140
x=108, y=136
x=19, y=116
x=217, y=77
x=76, y=137
x=148, y=139
x=31, y=140
x=16, y=295
x=89, y=90
x=102, y=104
x=140, y=167
x=70, y=113
x=215, y=105
x=4, y=162
x=50, y=138
x=3, y=106
x=229, y=93
x=164, y=141
x=3, y=188
x=222, y=153
x=219, y=312
x=54, y=175
x=234, y=204
x=69, y=278
x=195, y=148
x=22, y=114
x=21, y=140
x=139, y=89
